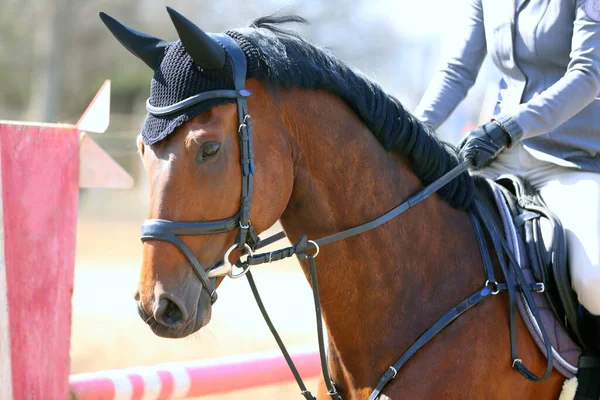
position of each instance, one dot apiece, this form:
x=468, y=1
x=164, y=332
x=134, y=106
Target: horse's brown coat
x=319, y=170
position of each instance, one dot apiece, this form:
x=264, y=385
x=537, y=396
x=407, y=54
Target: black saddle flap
x=519, y=194
x=546, y=246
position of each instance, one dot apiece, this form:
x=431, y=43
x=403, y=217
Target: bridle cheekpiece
x=247, y=239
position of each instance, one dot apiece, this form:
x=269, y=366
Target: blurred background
x=55, y=54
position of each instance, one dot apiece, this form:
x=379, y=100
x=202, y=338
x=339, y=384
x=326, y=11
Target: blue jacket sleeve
x=451, y=84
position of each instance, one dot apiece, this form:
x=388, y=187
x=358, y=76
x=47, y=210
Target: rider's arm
x=458, y=74
x=578, y=87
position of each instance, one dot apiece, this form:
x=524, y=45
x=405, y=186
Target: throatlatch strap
x=306, y=393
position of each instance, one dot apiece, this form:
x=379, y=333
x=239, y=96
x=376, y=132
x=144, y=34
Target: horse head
x=197, y=150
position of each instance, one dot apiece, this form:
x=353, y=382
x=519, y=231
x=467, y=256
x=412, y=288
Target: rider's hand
x=483, y=144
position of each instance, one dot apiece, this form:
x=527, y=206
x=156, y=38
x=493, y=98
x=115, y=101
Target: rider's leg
x=574, y=197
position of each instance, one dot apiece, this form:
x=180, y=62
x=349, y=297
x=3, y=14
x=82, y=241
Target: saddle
x=537, y=241
x=545, y=248
x=539, y=244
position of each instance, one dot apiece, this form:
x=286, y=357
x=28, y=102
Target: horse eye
x=209, y=150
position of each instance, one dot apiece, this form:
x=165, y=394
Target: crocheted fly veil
x=195, y=64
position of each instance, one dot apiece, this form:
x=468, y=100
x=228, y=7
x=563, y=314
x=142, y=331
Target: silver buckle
x=542, y=288
x=316, y=247
x=494, y=286
x=245, y=226
x=515, y=361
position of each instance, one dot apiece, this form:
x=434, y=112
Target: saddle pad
x=565, y=351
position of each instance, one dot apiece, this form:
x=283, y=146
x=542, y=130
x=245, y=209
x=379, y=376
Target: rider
x=547, y=117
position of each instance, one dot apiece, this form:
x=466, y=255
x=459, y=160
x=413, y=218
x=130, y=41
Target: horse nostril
x=169, y=313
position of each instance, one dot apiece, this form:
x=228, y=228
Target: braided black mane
x=287, y=60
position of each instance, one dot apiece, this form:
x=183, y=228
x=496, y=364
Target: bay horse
x=332, y=151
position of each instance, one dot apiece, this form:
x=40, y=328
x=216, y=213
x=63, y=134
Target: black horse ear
x=147, y=48
x=205, y=51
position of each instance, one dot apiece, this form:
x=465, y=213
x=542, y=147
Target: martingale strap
x=502, y=248
x=305, y=392
x=331, y=390
x=436, y=328
x=303, y=245
x=491, y=287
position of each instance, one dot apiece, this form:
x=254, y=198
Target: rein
x=304, y=245
x=301, y=247
x=490, y=287
x=248, y=241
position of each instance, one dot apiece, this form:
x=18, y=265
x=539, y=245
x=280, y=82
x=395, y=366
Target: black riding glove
x=483, y=144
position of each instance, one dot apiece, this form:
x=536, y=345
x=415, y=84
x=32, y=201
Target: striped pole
x=40, y=176
x=197, y=378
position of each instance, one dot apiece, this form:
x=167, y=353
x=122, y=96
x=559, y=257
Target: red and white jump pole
x=42, y=167
x=196, y=378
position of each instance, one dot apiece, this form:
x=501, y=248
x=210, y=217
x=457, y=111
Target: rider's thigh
x=575, y=198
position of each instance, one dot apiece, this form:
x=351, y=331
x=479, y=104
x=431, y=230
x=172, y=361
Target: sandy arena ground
x=107, y=332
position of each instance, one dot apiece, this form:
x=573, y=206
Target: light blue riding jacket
x=548, y=52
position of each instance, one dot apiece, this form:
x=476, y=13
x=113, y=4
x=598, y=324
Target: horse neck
x=381, y=289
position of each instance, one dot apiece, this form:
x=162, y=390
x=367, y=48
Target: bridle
x=248, y=241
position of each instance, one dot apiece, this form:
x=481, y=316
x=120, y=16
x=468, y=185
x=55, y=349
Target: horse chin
x=192, y=326
x=169, y=333
x=199, y=318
